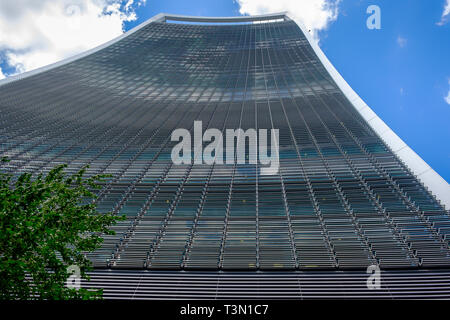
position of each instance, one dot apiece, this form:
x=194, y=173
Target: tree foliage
x=48, y=223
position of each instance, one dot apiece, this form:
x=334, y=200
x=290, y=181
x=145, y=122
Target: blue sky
x=402, y=71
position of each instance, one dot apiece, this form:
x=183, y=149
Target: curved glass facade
x=340, y=199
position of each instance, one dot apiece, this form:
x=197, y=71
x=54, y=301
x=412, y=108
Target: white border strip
x=430, y=178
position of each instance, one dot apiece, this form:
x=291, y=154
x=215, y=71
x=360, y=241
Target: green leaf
x=45, y=227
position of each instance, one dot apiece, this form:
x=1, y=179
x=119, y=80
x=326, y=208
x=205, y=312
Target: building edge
x=427, y=176
x=81, y=55
x=161, y=17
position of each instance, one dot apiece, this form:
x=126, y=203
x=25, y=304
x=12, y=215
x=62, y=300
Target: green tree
x=48, y=223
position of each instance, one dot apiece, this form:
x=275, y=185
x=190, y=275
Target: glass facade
x=341, y=198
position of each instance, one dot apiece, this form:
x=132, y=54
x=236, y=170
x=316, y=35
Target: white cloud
x=316, y=15
x=402, y=41
x=36, y=33
x=2, y=76
x=445, y=14
x=447, y=98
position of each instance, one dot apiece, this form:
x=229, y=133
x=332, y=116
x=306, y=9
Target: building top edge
x=161, y=17
x=262, y=17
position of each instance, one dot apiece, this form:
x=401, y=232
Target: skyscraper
x=348, y=193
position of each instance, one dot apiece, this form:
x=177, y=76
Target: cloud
x=2, y=76
x=316, y=15
x=36, y=33
x=447, y=98
x=445, y=14
x=402, y=41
